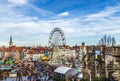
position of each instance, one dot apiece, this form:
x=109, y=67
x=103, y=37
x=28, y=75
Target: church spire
x=10, y=38
x=10, y=42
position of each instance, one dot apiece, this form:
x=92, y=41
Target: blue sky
x=31, y=21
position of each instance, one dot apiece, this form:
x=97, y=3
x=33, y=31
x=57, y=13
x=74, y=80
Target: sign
x=11, y=75
x=97, y=52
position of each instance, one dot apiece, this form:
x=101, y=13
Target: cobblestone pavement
x=14, y=79
x=24, y=79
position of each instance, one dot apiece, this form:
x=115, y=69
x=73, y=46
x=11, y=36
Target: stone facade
x=109, y=55
x=116, y=56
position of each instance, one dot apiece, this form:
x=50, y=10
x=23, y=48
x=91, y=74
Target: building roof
x=14, y=49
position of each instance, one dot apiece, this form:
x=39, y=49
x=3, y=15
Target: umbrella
x=5, y=68
x=1, y=62
x=79, y=69
x=8, y=62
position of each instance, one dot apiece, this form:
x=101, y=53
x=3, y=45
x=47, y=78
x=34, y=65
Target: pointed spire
x=10, y=42
x=10, y=38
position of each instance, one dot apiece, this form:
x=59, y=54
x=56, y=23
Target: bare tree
x=113, y=41
x=107, y=40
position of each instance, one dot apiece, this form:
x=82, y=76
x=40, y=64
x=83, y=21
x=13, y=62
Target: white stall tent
x=80, y=75
x=66, y=71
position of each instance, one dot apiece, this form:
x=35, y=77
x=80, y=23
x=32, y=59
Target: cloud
x=41, y=11
x=104, y=22
x=37, y=30
x=18, y=2
x=109, y=11
x=64, y=14
x=33, y=30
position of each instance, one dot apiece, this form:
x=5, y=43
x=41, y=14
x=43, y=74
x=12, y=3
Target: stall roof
x=63, y=70
x=80, y=76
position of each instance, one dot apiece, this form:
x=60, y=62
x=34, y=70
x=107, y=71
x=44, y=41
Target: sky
x=31, y=21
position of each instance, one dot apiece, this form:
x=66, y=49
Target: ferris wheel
x=56, y=38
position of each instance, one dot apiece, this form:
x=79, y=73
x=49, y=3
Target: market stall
x=64, y=72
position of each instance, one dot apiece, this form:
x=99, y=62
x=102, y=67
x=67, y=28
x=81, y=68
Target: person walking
x=19, y=76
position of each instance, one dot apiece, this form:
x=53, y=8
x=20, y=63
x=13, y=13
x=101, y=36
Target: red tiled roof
x=14, y=49
x=31, y=50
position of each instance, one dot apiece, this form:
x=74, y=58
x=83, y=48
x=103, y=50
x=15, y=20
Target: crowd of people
x=44, y=71
x=39, y=71
x=33, y=70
